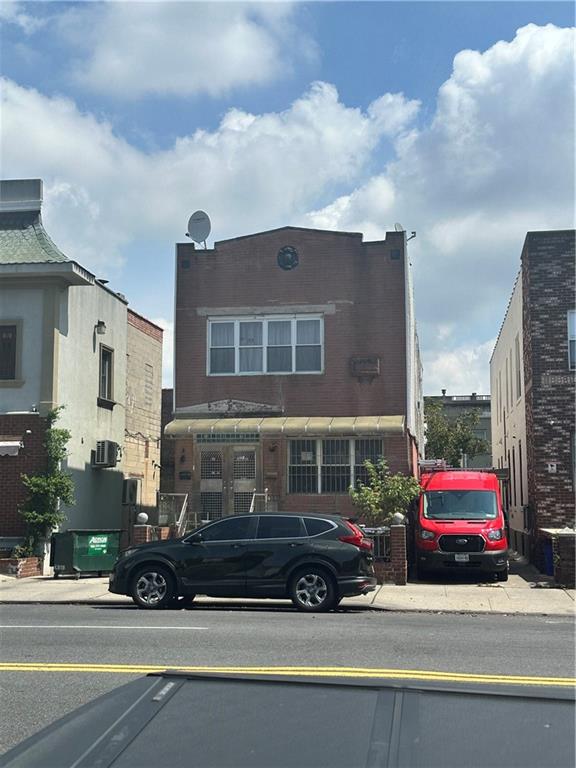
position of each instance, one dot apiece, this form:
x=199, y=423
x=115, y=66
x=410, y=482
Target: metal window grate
x=366, y=449
x=211, y=505
x=211, y=465
x=242, y=502
x=245, y=465
x=228, y=437
x=302, y=470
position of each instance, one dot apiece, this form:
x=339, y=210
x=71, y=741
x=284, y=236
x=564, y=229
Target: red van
x=460, y=523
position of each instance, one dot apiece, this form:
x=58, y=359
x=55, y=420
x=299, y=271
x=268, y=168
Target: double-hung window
x=265, y=345
x=105, y=385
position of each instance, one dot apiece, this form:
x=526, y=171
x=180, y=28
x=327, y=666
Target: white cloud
x=461, y=370
x=496, y=161
x=252, y=172
x=134, y=49
x=12, y=12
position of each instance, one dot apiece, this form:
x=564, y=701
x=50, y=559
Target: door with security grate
x=228, y=477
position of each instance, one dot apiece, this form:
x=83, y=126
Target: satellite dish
x=398, y=227
x=199, y=227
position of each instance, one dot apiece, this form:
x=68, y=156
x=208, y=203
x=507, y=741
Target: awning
x=10, y=447
x=290, y=425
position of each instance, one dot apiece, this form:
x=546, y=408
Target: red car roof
x=463, y=481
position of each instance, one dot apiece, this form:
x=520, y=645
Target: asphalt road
x=35, y=636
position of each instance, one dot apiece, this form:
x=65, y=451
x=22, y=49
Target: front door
x=228, y=479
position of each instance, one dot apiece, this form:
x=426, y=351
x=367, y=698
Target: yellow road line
x=355, y=672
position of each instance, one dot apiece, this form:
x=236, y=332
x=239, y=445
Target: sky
x=455, y=119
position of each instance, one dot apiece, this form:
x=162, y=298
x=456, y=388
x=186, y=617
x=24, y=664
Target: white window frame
x=320, y=462
x=264, y=319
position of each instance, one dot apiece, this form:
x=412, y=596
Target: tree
x=449, y=438
x=384, y=495
x=48, y=490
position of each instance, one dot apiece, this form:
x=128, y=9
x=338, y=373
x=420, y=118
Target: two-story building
x=296, y=359
x=532, y=382
x=67, y=339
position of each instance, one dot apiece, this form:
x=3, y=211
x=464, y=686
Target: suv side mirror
x=196, y=539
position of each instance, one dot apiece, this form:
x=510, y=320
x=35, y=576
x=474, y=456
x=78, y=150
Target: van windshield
x=460, y=505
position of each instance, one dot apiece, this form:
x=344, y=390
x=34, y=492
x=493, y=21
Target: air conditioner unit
x=106, y=454
x=131, y=490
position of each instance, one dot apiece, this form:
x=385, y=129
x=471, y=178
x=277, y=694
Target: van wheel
x=152, y=587
x=312, y=589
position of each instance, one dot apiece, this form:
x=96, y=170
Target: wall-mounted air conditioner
x=131, y=490
x=105, y=455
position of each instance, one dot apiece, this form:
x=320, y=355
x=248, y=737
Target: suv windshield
x=460, y=505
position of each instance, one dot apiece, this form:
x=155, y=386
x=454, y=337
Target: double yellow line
x=342, y=672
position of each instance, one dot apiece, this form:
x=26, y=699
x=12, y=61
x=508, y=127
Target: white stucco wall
x=508, y=410
x=27, y=305
x=98, y=491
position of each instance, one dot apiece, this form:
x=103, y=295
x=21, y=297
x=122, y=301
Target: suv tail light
x=356, y=537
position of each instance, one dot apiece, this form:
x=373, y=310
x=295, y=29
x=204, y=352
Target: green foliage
x=449, y=438
x=48, y=490
x=384, y=494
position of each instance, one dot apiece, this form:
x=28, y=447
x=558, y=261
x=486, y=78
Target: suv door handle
x=237, y=546
x=297, y=544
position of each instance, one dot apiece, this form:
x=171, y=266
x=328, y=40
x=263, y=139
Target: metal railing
x=381, y=542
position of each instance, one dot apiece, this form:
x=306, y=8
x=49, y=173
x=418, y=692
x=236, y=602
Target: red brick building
x=296, y=359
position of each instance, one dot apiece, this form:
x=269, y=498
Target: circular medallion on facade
x=287, y=257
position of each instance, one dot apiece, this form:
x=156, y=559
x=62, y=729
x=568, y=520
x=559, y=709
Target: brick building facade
x=27, y=430
x=533, y=390
x=143, y=416
x=295, y=360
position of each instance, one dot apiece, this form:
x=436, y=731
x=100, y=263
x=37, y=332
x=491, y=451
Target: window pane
x=279, y=332
x=105, y=391
x=335, y=479
x=250, y=334
x=303, y=479
x=303, y=452
x=222, y=334
x=572, y=353
x=227, y=530
x=572, y=324
x=308, y=359
x=280, y=527
x=279, y=359
x=221, y=361
x=308, y=331
x=250, y=359
x=315, y=526
x=336, y=451
x=368, y=450
x=7, y=352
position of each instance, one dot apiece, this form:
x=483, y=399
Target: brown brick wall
x=548, y=286
x=167, y=446
x=361, y=279
x=21, y=568
x=30, y=460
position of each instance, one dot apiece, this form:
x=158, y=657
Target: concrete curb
x=370, y=607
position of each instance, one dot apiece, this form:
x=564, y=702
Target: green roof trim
x=23, y=240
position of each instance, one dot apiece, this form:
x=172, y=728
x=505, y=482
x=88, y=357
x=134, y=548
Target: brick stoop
x=21, y=567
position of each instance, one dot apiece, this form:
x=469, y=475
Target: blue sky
x=454, y=118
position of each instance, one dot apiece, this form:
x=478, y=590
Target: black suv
x=316, y=560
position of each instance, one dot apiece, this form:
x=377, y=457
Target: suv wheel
x=501, y=575
x=152, y=587
x=312, y=589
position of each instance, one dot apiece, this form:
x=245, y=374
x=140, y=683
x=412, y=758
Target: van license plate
x=462, y=558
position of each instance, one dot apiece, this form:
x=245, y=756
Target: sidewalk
x=526, y=592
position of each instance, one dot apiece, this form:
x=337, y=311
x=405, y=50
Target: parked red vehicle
x=460, y=523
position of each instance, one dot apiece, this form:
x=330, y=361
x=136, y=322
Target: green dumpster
x=84, y=551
